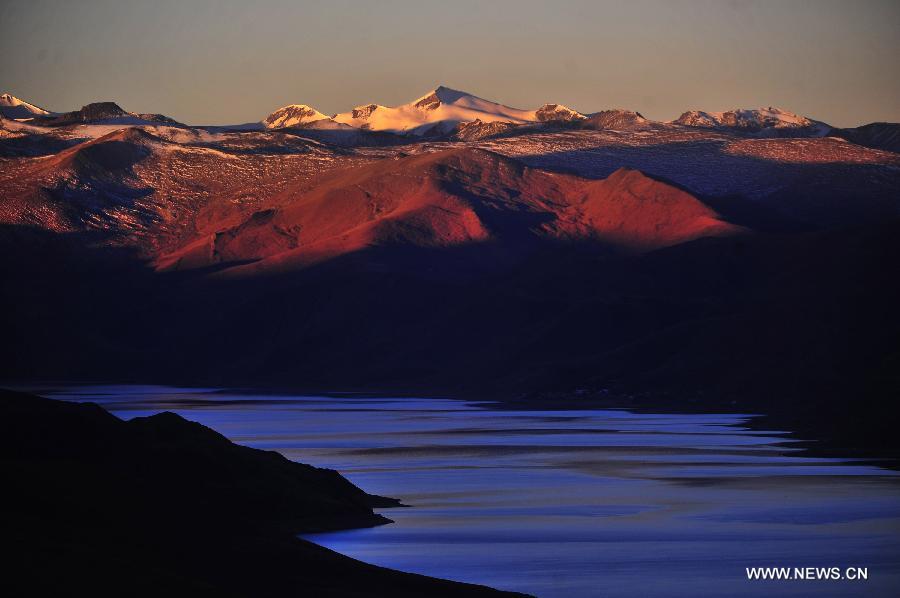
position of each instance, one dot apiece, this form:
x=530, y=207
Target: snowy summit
x=443, y=109
x=748, y=119
x=13, y=107
x=292, y=116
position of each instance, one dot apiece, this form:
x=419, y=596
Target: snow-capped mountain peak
x=13, y=107
x=757, y=119
x=439, y=110
x=292, y=115
x=443, y=110
x=438, y=96
x=556, y=112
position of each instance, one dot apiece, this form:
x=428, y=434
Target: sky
x=234, y=61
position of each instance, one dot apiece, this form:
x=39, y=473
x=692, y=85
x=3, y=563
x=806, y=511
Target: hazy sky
x=232, y=61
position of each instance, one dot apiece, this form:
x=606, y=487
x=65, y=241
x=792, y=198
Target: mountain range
x=442, y=110
x=453, y=245
x=445, y=112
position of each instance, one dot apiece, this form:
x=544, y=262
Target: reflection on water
x=571, y=503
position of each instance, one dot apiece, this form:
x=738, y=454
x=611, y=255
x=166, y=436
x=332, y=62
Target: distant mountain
x=449, y=114
x=104, y=112
x=438, y=111
x=556, y=113
x=761, y=120
x=441, y=110
x=292, y=116
x=13, y=107
x=883, y=136
x=615, y=119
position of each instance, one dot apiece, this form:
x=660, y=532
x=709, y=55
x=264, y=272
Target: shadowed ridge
x=95, y=111
x=98, y=112
x=878, y=135
x=212, y=472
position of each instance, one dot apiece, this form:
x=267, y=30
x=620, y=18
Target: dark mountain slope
x=883, y=136
x=103, y=112
x=161, y=505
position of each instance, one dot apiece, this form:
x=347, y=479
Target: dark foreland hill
x=742, y=260
x=161, y=506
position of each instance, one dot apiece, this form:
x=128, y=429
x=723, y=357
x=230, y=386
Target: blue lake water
x=570, y=503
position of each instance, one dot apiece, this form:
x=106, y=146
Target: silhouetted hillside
x=163, y=506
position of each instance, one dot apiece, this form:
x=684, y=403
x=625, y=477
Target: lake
x=570, y=503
